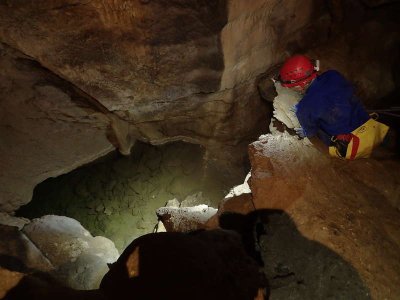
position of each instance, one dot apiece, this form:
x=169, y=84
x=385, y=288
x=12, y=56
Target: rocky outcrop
x=349, y=207
x=323, y=227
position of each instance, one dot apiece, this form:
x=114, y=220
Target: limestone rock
x=80, y=260
x=44, y=132
x=184, y=219
x=240, y=189
x=347, y=206
x=284, y=106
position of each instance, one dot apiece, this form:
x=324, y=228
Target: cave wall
x=44, y=133
x=364, y=44
x=159, y=71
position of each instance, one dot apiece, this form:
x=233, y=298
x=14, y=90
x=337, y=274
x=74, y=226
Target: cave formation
x=90, y=87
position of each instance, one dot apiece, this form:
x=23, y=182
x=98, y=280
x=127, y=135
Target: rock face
x=349, y=207
x=124, y=54
x=81, y=78
x=44, y=131
x=158, y=71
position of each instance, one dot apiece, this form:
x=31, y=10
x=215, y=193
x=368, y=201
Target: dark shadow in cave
x=214, y=265
x=204, y=264
x=34, y=287
x=295, y=267
x=170, y=265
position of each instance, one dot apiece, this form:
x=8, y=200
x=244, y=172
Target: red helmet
x=297, y=70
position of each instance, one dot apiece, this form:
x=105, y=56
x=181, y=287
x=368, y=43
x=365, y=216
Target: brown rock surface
x=241, y=204
x=349, y=207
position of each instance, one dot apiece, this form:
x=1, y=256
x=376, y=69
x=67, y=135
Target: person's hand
x=300, y=132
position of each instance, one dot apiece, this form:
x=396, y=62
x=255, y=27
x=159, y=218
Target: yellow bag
x=364, y=139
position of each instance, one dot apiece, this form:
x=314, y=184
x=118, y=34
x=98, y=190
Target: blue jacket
x=329, y=107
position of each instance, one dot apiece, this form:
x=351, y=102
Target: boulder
x=80, y=260
x=350, y=207
x=184, y=219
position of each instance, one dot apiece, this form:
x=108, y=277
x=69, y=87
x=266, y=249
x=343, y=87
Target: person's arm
x=307, y=120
